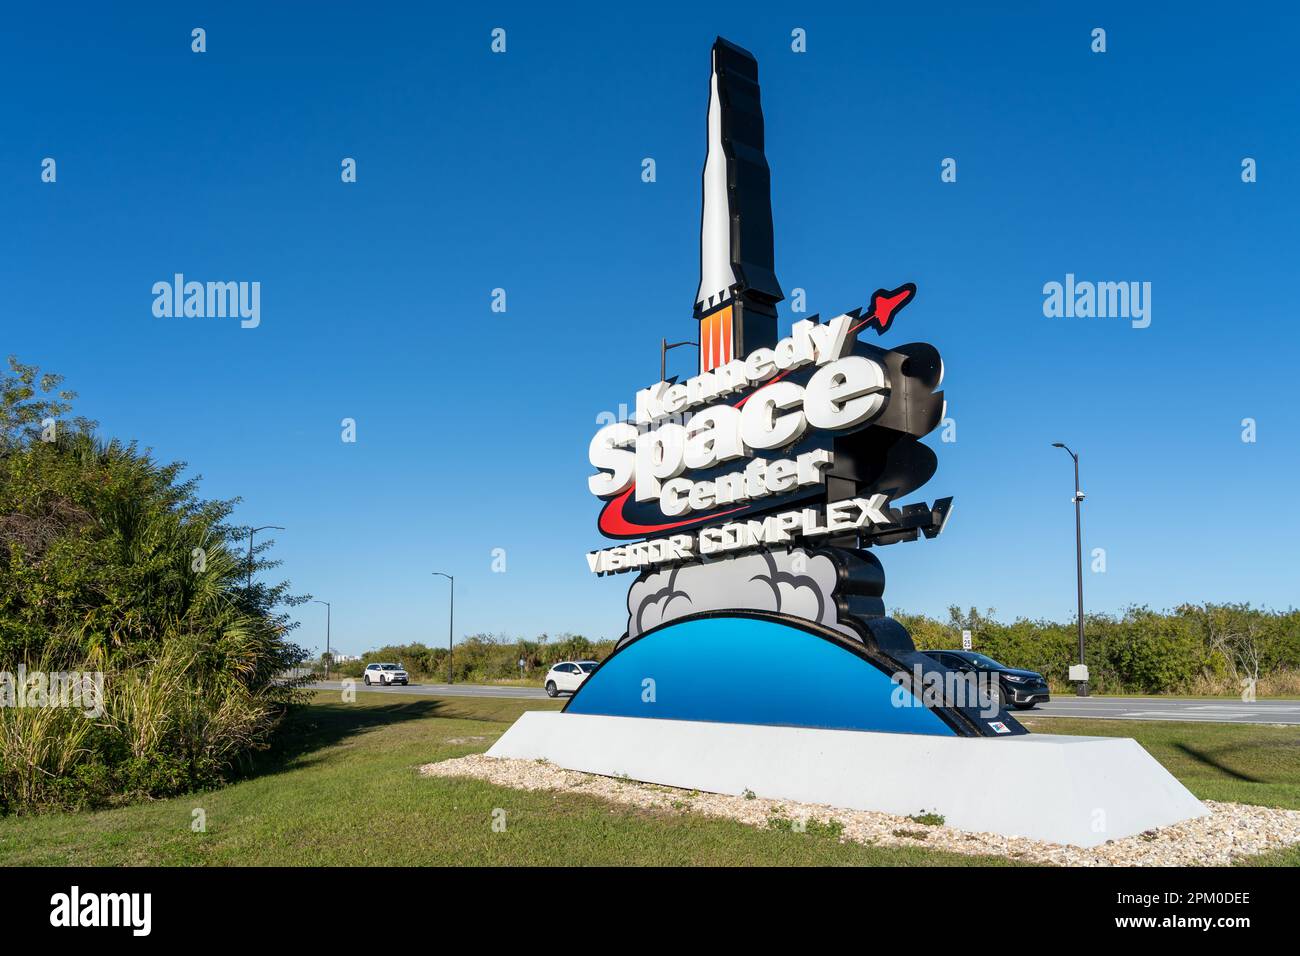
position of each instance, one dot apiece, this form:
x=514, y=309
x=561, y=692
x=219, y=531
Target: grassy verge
x=1237, y=763
x=342, y=788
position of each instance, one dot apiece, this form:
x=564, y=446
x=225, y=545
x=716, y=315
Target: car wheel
x=551, y=689
x=1003, y=700
x=367, y=679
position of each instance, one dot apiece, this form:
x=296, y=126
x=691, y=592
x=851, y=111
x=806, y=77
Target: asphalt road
x=1169, y=708
x=1109, y=708
x=444, y=690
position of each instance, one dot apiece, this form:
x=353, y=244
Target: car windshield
x=587, y=666
x=979, y=660
x=388, y=667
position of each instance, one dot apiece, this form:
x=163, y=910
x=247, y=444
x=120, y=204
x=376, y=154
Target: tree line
x=1192, y=649
x=482, y=658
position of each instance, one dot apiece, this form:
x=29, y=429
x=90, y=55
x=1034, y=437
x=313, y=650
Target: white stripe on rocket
x=716, y=274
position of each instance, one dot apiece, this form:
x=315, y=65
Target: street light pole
x=664, y=348
x=251, y=532
x=327, y=635
x=1081, y=688
x=451, y=618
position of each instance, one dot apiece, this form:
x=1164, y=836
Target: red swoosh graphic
x=773, y=381
x=613, y=523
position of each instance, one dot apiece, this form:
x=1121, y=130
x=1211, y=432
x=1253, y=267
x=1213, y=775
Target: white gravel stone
x=1230, y=832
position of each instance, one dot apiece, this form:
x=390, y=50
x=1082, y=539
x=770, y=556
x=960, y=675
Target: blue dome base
x=755, y=668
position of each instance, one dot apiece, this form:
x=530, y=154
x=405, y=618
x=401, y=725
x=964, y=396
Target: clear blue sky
x=522, y=171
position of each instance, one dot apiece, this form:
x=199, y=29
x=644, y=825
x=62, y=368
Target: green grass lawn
x=343, y=789
x=1235, y=763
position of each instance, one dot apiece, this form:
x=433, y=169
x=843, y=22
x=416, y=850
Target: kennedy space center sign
x=749, y=497
x=750, y=501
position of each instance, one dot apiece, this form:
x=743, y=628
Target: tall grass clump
x=112, y=566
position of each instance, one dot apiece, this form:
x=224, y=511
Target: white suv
x=385, y=674
x=567, y=676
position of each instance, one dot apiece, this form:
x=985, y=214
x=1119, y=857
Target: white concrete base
x=1076, y=790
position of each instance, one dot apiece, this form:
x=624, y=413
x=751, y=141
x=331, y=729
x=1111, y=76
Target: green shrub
x=1208, y=648
x=111, y=564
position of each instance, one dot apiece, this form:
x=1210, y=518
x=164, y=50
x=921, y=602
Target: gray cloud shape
x=795, y=582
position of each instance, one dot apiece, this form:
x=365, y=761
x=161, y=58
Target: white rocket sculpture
x=736, y=300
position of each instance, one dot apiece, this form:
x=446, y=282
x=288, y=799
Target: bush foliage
x=1207, y=648
x=110, y=563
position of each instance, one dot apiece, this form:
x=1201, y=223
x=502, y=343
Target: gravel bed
x=1230, y=832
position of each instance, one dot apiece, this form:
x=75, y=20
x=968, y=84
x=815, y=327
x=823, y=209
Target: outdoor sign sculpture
x=749, y=500
x=755, y=487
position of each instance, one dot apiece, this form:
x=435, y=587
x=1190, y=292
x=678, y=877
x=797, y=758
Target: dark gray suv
x=1016, y=688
